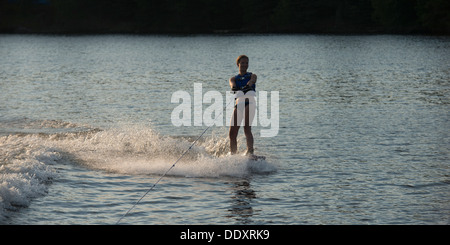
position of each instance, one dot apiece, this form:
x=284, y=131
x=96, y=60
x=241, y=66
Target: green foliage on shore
x=223, y=16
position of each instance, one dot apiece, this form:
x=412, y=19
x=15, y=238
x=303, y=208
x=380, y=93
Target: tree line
x=225, y=16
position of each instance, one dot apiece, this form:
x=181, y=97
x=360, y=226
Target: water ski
x=256, y=157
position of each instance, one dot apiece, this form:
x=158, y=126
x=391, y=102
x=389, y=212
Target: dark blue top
x=241, y=81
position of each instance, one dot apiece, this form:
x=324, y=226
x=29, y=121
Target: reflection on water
x=241, y=208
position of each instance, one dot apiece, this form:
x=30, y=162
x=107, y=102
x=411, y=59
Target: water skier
x=243, y=85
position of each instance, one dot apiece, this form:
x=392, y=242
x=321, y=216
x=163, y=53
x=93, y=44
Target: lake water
x=86, y=129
